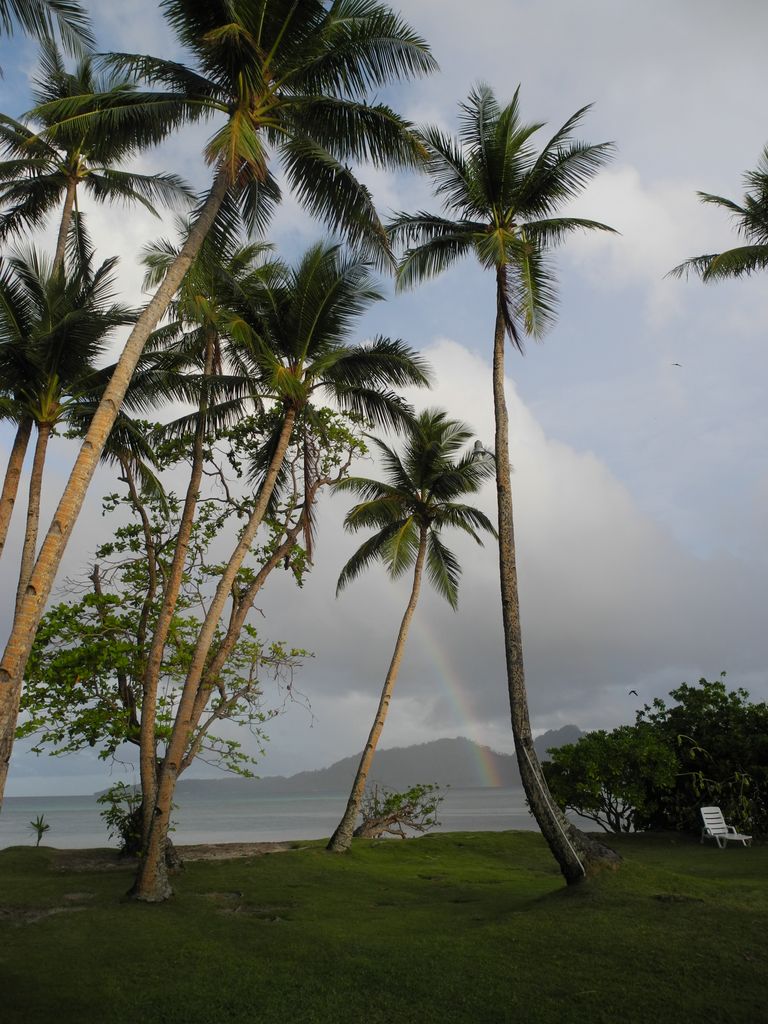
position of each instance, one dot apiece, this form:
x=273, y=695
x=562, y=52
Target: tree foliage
x=42, y=18
x=608, y=776
x=423, y=493
x=751, y=220
x=721, y=741
x=708, y=747
x=385, y=812
x=84, y=678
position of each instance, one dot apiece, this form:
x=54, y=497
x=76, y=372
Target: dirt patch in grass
x=235, y=903
x=31, y=915
x=228, y=851
x=113, y=860
x=91, y=860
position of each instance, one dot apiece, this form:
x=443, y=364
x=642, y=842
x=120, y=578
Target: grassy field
x=454, y=927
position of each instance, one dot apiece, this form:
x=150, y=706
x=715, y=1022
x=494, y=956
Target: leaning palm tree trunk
x=170, y=598
x=577, y=854
x=38, y=589
x=341, y=839
x=33, y=511
x=12, y=477
x=152, y=884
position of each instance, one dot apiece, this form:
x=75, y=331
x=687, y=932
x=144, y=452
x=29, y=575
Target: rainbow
x=454, y=690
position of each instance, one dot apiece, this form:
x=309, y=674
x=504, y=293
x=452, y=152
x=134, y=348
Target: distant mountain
x=459, y=763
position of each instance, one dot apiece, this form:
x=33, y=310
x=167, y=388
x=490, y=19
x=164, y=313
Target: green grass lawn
x=474, y=927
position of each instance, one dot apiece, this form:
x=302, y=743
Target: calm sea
x=75, y=820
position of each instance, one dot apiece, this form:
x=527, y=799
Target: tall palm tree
x=40, y=175
x=40, y=18
x=751, y=223
x=43, y=173
x=287, y=78
x=296, y=352
x=501, y=198
x=421, y=496
x=30, y=300
x=53, y=330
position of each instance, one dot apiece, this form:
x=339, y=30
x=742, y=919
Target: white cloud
x=660, y=224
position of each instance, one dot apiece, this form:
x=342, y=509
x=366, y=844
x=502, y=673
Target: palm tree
x=43, y=173
x=32, y=383
x=421, y=496
x=286, y=78
x=500, y=198
x=40, y=17
x=52, y=332
x=751, y=223
x=294, y=347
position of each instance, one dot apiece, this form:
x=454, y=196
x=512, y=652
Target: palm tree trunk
x=25, y=623
x=66, y=220
x=151, y=680
x=33, y=511
x=341, y=839
x=12, y=476
x=577, y=854
x=152, y=885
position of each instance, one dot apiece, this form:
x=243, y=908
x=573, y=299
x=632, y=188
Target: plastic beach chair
x=716, y=828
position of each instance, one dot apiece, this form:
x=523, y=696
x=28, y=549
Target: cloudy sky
x=641, y=487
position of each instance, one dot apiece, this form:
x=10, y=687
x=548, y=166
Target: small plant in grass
x=390, y=813
x=121, y=814
x=39, y=826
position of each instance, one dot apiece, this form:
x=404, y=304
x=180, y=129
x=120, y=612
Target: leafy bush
x=710, y=747
x=612, y=778
x=122, y=816
x=721, y=742
x=386, y=812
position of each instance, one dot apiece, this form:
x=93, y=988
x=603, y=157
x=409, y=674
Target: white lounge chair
x=715, y=828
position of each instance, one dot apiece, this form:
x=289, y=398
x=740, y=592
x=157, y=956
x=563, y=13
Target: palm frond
x=372, y=550
x=330, y=191
x=443, y=570
x=432, y=257
x=402, y=547
x=532, y=287
x=739, y=262
x=42, y=18
x=555, y=230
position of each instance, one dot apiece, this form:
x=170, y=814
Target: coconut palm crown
x=298, y=353
x=421, y=494
x=751, y=220
x=500, y=196
x=42, y=173
x=281, y=79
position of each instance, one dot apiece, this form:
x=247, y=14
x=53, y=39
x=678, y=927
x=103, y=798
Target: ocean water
x=75, y=821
